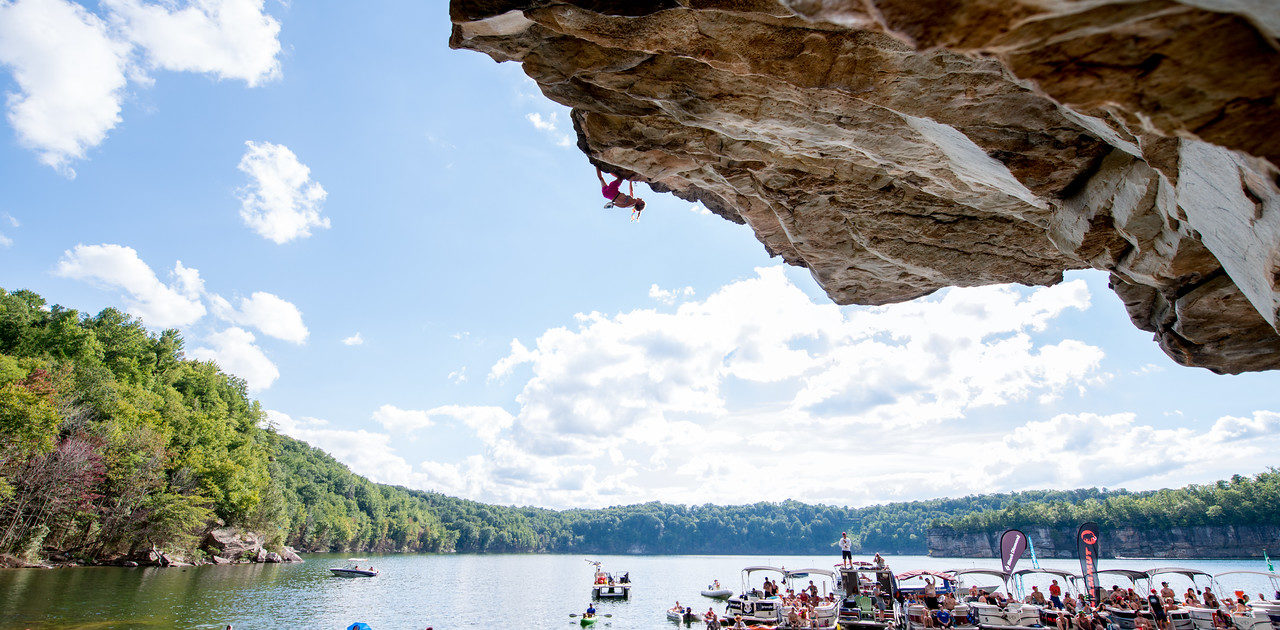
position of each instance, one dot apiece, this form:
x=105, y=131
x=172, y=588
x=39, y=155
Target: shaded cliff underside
x=895, y=147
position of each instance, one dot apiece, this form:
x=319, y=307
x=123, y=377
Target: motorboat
x=869, y=601
x=605, y=585
x=1048, y=613
x=915, y=582
x=1261, y=607
x=1013, y=615
x=353, y=569
x=753, y=605
x=821, y=613
x=1182, y=616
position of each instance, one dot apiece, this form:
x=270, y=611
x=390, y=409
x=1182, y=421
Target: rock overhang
x=896, y=147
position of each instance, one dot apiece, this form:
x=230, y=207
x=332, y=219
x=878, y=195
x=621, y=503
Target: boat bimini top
x=1129, y=574
x=948, y=576
x=1067, y=575
x=1190, y=574
x=1273, y=576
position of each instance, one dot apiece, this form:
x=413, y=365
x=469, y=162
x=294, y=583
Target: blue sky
x=430, y=201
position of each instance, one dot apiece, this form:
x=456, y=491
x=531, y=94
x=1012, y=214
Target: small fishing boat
x=606, y=586
x=353, y=569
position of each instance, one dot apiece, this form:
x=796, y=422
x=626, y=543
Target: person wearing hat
x=1166, y=592
x=1157, y=610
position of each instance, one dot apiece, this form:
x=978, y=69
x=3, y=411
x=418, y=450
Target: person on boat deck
x=846, y=549
x=626, y=578
x=1210, y=600
x=1166, y=592
x=1157, y=609
x=1069, y=603
x=973, y=594
x=813, y=590
x=879, y=561
x=591, y=611
x=1190, y=598
x=1037, y=597
x=710, y=618
x=613, y=192
x=738, y=624
x=930, y=594
x=1055, y=595
x=678, y=607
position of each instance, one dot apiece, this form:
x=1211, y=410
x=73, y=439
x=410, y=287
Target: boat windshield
x=867, y=580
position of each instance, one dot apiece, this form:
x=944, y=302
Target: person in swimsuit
x=613, y=192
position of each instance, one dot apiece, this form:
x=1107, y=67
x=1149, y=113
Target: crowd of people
x=1151, y=612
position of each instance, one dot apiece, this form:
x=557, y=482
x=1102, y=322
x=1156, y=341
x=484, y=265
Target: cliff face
x=895, y=147
x=1210, y=541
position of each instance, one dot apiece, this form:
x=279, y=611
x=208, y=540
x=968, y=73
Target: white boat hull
x=616, y=591
x=723, y=593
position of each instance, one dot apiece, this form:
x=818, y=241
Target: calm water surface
x=416, y=591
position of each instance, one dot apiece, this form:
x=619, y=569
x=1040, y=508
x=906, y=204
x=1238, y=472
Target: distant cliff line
x=1200, y=541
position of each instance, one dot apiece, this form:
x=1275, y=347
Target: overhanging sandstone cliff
x=895, y=147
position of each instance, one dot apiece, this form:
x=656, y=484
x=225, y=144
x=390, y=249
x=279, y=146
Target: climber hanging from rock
x=613, y=192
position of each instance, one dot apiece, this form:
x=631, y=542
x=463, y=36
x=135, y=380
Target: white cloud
x=623, y=408
x=461, y=335
x=234, y=351
x=365, y=452
x=266, y=312
x=12, y=221
x=394, y=418
x=1229, y=428
x=72, y=67
x=232, y=39
x=5, y=241
x=353, y=340
x=669, y=296
x=550, y=125
x=698, y=208
x=281, y=203
x=458, y=376
x=71, y=75
x=119, y=267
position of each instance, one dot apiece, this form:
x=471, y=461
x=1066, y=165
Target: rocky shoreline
x=224, y=545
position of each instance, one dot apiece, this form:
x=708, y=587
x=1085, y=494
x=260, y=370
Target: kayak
x=722, y=593
x=587, y=621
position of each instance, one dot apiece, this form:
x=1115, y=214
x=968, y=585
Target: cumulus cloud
x=270, y=314
x=458, y=376
x=367, y=453
x=353, y=340
x=396, y=419
x=71, y=75
x=9, y=218
x=550, y=125
x=759, y=370
x=669, y=296
x=231, y=39
x=281, y=203
x=72, y=67
x=5, y=241
x=119, y=267
x=698, y=208
x=235, y=352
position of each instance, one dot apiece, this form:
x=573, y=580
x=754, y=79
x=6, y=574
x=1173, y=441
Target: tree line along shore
x=115, y=448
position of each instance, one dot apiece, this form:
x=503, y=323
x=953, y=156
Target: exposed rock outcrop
x=1216, y=541
x=287, y=554
x=232, y=544
x=895, y=147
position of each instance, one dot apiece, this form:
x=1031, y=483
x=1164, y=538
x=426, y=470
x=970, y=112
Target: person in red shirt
x=1055, y=595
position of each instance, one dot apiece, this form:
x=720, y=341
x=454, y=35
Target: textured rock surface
x=895, y=147
x=1242, y=541
x=232, y=544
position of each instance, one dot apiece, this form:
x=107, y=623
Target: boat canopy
x=1058, y=572
x=750, y=570
x=804, y=572
x=996, y=572
x=1130, y=574
x=1190, y=573
x=1273, y=576
x=940, y=575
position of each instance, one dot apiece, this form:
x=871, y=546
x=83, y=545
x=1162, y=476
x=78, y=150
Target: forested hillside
x=112, y=443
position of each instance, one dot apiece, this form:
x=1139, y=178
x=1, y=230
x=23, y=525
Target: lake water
x=415, y=591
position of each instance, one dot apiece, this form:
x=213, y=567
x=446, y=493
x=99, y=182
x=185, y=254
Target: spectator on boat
x=973, y=594
x=1189, y=598
x=1055, y=595
x=813, y=590
x=1166, y=592
x=1210, y=600
x=946, y=619
x=1037, y=597
x=1069, y=604
x=846, y=549
x=949, y=601
x=738, y=624
x=1157, y=609
x=879, y=561
x=793, y=617
x=677, y=608
x=930, y=594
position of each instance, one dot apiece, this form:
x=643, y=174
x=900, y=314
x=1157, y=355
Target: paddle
x=597, y=614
